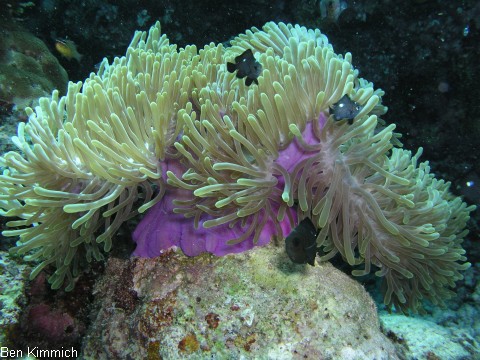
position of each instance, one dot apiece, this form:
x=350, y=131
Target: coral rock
x=28, y=69
x=261, y=305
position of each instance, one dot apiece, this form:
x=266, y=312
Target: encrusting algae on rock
x=268, y=308
x=222, y=167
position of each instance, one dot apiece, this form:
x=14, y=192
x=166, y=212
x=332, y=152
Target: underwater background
x=423, y=54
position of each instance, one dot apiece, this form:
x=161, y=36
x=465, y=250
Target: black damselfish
x=301, y=243
x=345, y=108
x=246, y=67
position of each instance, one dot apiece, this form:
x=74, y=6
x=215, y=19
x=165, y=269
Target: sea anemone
x=261, y=158
x=223, y=167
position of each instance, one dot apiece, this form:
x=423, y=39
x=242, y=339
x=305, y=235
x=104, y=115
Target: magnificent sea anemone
x=223, y=167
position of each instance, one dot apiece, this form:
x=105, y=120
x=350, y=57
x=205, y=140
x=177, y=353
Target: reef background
x=423, y=53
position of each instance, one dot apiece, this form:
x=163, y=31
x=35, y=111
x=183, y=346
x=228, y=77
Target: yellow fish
x=67, y=49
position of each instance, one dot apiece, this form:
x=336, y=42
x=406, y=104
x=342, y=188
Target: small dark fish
x=246, y=67
x=96, y=67
x=6, y=107
x=345, y=108
x=301, y=243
